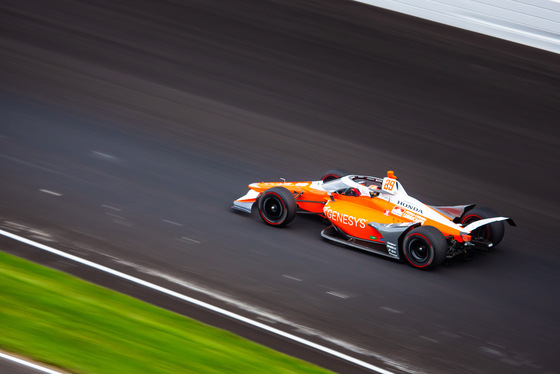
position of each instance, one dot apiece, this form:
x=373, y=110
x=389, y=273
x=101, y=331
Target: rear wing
x=476, y=224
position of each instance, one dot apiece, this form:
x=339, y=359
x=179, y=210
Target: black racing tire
x=493, y=232
x=424, y=247
x=334, y=174
x=277, y=206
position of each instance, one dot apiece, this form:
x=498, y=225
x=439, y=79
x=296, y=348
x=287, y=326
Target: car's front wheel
x=277, y=206
x=424, y=247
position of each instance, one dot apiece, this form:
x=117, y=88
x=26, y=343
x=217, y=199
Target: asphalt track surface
x=127, y=128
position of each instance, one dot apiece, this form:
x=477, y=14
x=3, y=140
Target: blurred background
x=145, y=119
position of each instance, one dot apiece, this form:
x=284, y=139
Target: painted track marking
x=199, y=303
x=292, y=278
x=103, y=155
x=190, y=240
x=391, y=310
x=50, y=192
x=28, y=364
x=338, y=294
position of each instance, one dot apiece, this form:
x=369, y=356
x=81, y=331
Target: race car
x=377, y=215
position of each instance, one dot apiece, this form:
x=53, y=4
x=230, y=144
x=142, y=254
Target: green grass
x=58, y=319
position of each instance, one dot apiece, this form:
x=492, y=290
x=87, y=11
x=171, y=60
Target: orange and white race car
x=377, y=215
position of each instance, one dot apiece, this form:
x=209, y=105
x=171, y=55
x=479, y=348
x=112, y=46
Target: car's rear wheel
x=424, y=247
x=277, y=206
x=334, y=174
x=493, y=232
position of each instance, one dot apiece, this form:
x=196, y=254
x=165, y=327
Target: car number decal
x=389, y=185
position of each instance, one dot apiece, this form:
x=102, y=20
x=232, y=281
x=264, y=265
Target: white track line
x=29, y=364
x=50, y=192
x=190, y=240
x=199, y=303
x=172, y=222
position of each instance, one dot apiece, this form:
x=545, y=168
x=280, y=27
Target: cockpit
x=354, y=185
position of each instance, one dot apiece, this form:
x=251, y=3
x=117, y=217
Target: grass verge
x=61, y=320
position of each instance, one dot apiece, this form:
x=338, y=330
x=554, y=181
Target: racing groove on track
x=126, y=132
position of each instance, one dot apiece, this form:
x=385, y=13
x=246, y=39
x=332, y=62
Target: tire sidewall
x=266, y=198
x=408, y=253
x=494, y=231
x=471, y=217
x=334, y=174
x=285, y=200
x=432, y=239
